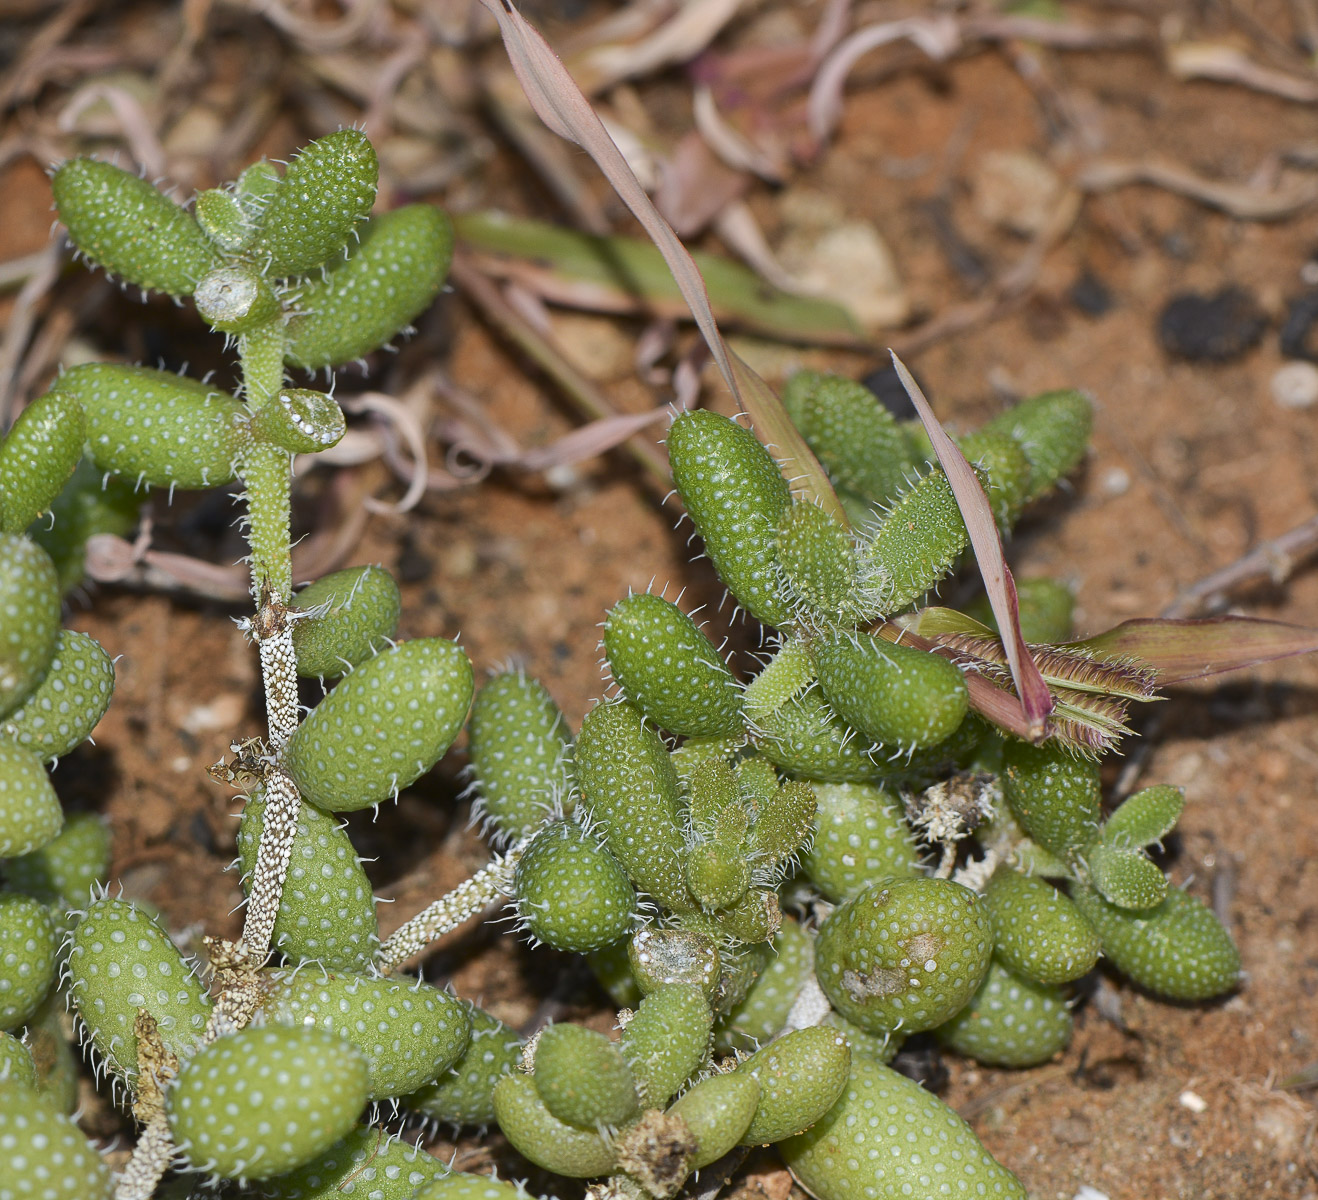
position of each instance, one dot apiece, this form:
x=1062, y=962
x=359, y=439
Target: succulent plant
x=945, y=867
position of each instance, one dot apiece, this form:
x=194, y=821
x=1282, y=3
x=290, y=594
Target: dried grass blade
x=559, y=102
x=1035, y=697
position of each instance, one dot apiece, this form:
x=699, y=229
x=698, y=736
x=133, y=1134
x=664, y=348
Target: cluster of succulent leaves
x=740, y=859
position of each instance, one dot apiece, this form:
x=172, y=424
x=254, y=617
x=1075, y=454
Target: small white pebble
x=1295, y=385
x=1116, y=481
x=1089, y=1193
x=1193, y=1101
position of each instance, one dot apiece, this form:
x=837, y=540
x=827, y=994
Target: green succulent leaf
x=521, y=754
x=64, y=708
x=235, y=298
x=465, y=1095
x=262, y=1102
x=630, y=789
x=382, y=727
x=669, y=669
x=326, y=908
x=120, y=960
x=860, y=836
x=1144, y=818
x=904, y=954
x=388, y=279
x=801, y=1076
x=1126, y=877
x=761, y=1013
x=717, y=1113
x=915, y=545
x=127, y=226
x=735, y=496
x=368, y=1162
x=893, y=694
x=583, y=1078
x=30, y=813
x=857, y=440
x=30, y=602
x=408, y=1032
x=819, y=566
x=29, y=958
x=351, y=616
x=300, y=421
x=571, y=893
x=327, y=191
x=1011, y=1021
x=63, y=872
x=1053, y=429
x=158, y=428
x=1037, y=931
x=539, y=1135
x=37, y=456
x=887, y=1138
x=46, y=1154
x=1177, y=949
x=1054, y=796
x=667, y=1041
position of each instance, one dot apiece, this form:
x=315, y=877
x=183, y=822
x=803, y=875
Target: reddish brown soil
x=524, y=571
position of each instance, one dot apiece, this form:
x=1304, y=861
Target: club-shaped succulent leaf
x=16, y=1065
x=1177, y=949
x=408, y=1032
x=326, y=909
x=887, y=1138
x=583, y=1078
x=37, y=456
x=1006, y=472
x=1037, y=931
x=662, y=956
x=158, y=428
x=1053, y=429
x=819, y=567
x=916, y=544
x=540, y=1136
x=236, y=298
x=1011, y=1021
x=904, y=954
x=763, y=1010
x=126, y=225
x=718, y=873
x=64, y=708
x=53, y=1055
x=860, y=835
x=261, y=1102
x=630, y=789
x=857, y=440
x=520, y=753
x=30, y=813
x=1126, y=877
x=801, y=1075
x=571, y=893
x=369, y=1164
x=458, y=1185
x=1144, y=818
x=63, y=872
x=1054, y=796
x=223, y=219
x=465, y=1094
x=717, y=1112
x=804, y=737
x=382, y=727
x=356, y=613
x=666, y=1040
x=30, y=607
x=735, y=496
x=29, y=946
x=120, y=960
x=328, y=189
x=46, y=1156
x=300, y=420
x=893, y=694
x=669, y=669
x=388, y=279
